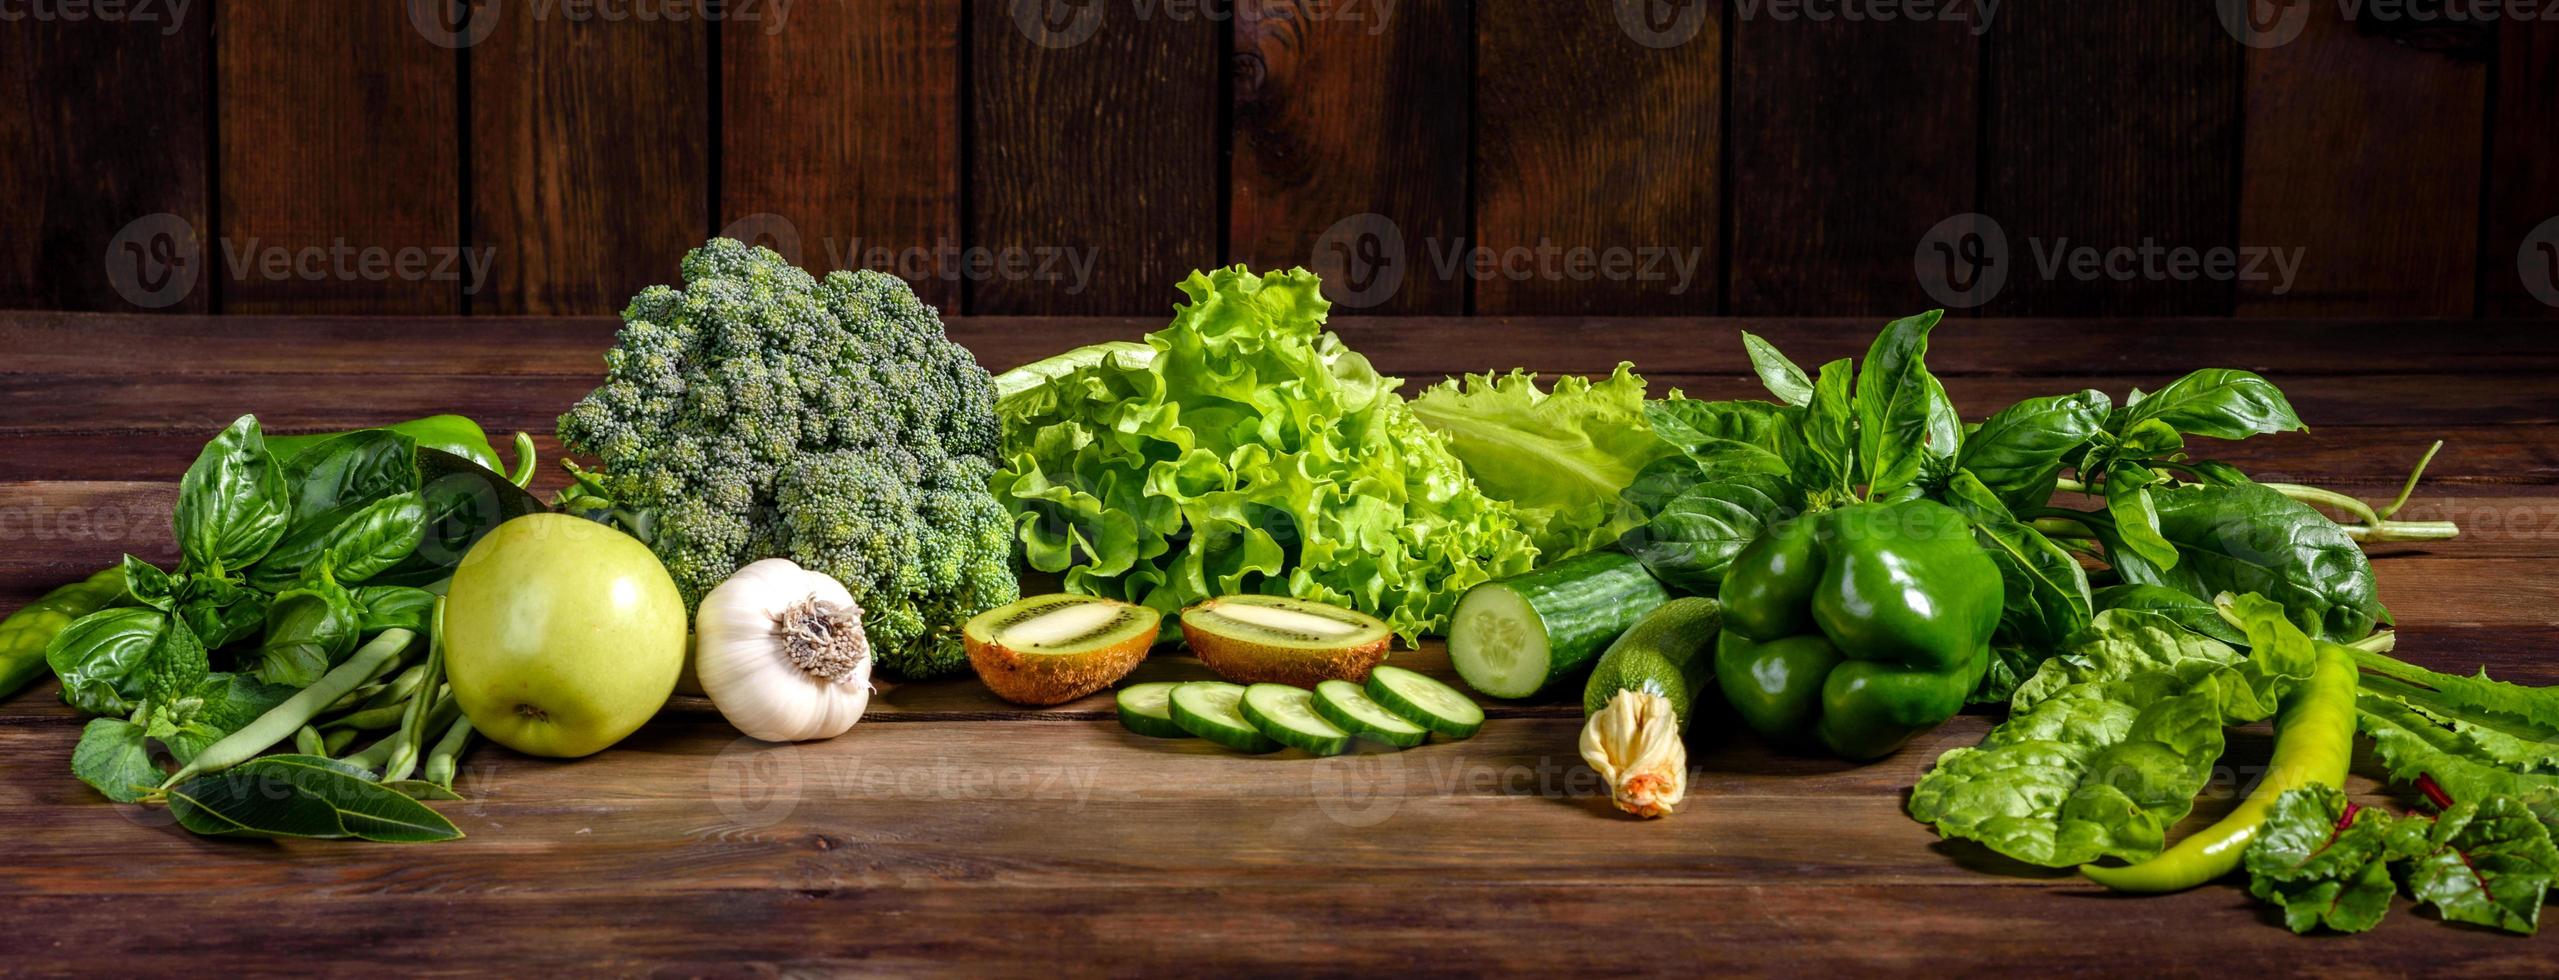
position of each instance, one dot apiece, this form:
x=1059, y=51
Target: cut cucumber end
x=1425, y=702
x=1345, y=705
x=1214, y=710
x=1147, y=710
x=1287, y=714
x=1498, y=642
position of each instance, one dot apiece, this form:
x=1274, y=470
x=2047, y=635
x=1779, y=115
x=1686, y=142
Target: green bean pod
x=281, y=721
x=2314, y=740
x=441, y=763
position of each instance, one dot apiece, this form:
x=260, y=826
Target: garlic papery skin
x=781, y=653
x=1635, y=745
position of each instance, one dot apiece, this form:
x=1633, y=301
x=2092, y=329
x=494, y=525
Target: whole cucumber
x=1513, y=637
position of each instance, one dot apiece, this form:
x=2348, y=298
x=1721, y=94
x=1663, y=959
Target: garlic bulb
x=780, y=651
x=1634, y=743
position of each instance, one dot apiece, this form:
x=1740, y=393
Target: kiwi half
x=1263, y=639
x=1052, y=649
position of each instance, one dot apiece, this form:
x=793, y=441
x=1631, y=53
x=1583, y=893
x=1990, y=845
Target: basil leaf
x=1783, y=378
x=148, y=585
x=1906, y=426
x=2222, y=403
x=234, y=803
x=372, y=540
x=383, y=607
x=2018, y=452
x=2250, y=538
x=1826, y=461
x=2045, y=593
x=220, y=612
x=1690, y=543
x=113, y=758
x=366, y=809
x=103, y=658
x=309, y=629
x=357, y=468
x=232, y=503
x=2136, y=516
x=2149, y=438
x=464, y=501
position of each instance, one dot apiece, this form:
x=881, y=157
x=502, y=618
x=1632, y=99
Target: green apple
x=561, y=635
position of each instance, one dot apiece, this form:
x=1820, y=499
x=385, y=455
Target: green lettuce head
x=1244, y=449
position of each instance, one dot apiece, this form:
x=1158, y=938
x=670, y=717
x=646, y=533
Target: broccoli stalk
x=759, y=412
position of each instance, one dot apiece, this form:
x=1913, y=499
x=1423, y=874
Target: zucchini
x=1514, y=637
x=1424, y=701
x=1670, y=653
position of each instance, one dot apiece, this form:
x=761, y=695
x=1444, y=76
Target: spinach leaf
x=2045, y=596
x=2185, y=610
x=309, y=629
x=114, y=759
x=2323, y=868
x=104, y=658
x=2249, y=538
x=1698, y=427
x=1907, y=428
x=372, y=540
x=1783, y=378
x=2018, y=453
x=232, y=503
x=2222, y=403
x=1693, y=539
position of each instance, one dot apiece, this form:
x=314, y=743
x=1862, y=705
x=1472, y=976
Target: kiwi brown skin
x=1248, y=662
x=1043, y=679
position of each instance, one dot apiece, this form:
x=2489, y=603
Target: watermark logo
x=772, y=231
x=1363, y=788
x=454, y=23
x=1057, y=24
x=2538, y=262
x=155, y=261
x=171, y=15
x=1974, y=14
x=756, y=784
x=1663, y=23
x=1361, y=260
x=1963, y=261
x=2264, y=23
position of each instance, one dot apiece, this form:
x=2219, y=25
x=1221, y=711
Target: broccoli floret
x=759, y=412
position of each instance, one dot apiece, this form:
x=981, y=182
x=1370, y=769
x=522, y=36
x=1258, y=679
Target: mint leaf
x=113, y=758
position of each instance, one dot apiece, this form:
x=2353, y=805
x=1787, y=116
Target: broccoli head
x=760, y=412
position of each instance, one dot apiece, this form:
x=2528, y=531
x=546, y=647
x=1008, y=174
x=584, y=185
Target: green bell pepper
x=1855, y=629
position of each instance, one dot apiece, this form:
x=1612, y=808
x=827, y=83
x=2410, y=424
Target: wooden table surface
x=952, y=831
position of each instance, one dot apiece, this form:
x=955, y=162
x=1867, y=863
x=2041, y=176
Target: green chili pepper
x=1857, y=628
x=2314, y=741
x=25, y=634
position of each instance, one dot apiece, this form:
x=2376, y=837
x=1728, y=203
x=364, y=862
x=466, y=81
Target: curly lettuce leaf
x=1560, y=458
x=1250, y=452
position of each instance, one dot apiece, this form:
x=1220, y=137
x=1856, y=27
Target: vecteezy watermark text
x=2275, y=23
x=1067, y=23
x=158, y=260
x=1671, y=23
x=949, y=261
x=1965, y=261
x=171, y=15
x=465, y=23
x=1364, y=261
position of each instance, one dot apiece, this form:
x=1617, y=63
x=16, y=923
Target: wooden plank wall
x=1442, y=157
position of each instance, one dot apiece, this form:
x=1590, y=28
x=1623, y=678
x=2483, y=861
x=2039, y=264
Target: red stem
x=2434, y=791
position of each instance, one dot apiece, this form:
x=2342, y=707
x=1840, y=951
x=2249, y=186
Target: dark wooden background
x=1802, y=162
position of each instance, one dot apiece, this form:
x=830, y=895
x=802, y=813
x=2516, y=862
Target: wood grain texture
x=340, y=134
x=2112, y=126
x=1599, y=159
x=951, y=832
x=2519, y=256
x=1351, y=133
x=2377, y=184
x=102, y=125
x=843, y=122
x=1851, y=142
x=1095, y=160
x=590, y=156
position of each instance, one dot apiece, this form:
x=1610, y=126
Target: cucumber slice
x=1287, y=715
x=1213, y=710
x=1512, y=638
x=1344, y=704
x=1424, y=701
x=1146, y=710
